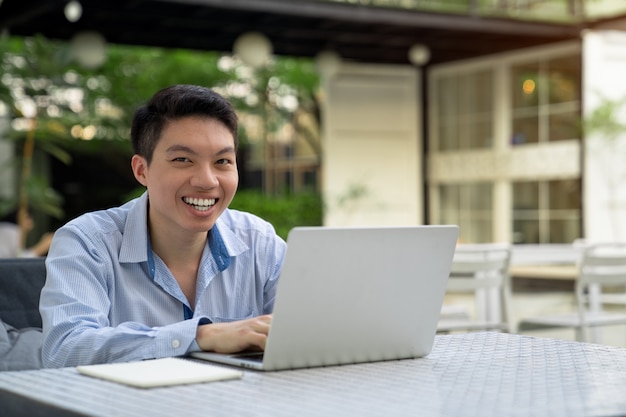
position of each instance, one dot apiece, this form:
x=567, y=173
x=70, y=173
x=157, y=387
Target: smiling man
x=174, y=270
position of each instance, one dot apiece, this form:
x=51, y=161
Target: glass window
x=564, y=194
x=564, y=126
x=525, y=78
x=525, y=129
x=526, y=196
x=541, y=105
x=546, y=100
x=448, y=127
x=525, y=91
x=546, y=211
x=564, y=79
x=526, y=212
x=465, y=109
x=280, y=163
x=470, y=206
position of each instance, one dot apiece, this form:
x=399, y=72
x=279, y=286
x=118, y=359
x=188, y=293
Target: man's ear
x=140, y=167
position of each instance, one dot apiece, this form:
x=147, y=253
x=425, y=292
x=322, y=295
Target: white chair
x=602, y=268
x=480, y=270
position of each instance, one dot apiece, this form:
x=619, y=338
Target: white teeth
x=201, y=204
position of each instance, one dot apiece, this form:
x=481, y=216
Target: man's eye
x=224, y=161
x=180, y=159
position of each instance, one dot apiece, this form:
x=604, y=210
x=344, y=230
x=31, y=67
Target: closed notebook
x=159, y=372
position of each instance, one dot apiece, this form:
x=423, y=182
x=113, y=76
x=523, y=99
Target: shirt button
x=175, y=343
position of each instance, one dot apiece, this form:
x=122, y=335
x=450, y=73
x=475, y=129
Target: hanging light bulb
x=254, y=48
x=73, y=11
x=328, y=63
x=419, y=54
x=89, y=49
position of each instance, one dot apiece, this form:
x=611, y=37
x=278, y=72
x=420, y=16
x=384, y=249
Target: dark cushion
x=21, y=281
x=20, y=349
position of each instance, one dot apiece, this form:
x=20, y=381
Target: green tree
x=605, y=133
x=31, y=76
x=58, y=108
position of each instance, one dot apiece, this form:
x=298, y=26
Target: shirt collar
x=223, y=242
x=135, y=233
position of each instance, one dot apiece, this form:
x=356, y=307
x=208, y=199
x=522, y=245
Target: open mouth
x=200, y=204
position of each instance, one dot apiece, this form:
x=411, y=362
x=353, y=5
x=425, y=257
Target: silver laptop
x=351, y=295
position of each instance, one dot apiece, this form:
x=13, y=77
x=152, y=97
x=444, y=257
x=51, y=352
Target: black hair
x=174, y=103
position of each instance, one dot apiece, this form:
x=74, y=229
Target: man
x=174, y=270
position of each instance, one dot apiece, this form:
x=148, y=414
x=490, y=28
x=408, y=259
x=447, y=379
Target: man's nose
x=204, y=177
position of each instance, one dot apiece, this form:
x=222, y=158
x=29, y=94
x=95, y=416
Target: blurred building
x=462, y=112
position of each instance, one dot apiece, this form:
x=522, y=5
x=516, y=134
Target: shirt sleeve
x=75, y=304
x=103, y=304
x=275, y=256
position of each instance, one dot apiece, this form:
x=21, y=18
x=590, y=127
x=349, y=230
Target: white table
x=566, y=272
x=475, y=374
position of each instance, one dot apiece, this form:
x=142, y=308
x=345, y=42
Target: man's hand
x=41, y=248
x=236, y=336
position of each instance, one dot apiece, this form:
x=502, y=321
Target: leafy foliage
x=84, y=114
x=605, y=119
x=284, y=212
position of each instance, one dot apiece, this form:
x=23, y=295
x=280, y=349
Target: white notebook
x=159, y=372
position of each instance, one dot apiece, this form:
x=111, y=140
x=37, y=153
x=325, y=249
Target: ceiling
x=295, y=28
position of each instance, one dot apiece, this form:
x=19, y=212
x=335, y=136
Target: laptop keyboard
x=253, y=356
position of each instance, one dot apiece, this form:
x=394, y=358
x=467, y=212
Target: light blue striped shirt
x=109, y=298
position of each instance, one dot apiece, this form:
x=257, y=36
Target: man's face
x=192, y=177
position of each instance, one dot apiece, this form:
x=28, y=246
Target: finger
x=266, y=318
x=260, y=323
x=258, y=341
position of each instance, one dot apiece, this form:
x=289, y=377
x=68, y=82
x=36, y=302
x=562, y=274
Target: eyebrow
x=179, y=148
x=187, y=149
x=227, y=149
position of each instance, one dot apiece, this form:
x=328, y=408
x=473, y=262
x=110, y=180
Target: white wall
x=372, y=158
x=604, y=75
